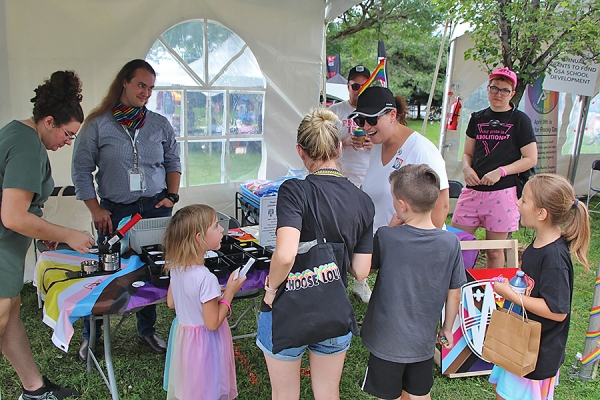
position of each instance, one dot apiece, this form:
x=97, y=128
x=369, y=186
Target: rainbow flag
x=67, y=300
x=377, y=75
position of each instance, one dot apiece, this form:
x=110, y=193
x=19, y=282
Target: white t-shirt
x=354, y=162
x=416, y=150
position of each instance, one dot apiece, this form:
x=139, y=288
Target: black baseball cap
x=374, y=101
x=359, y=70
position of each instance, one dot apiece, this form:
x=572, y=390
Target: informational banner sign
x=541, y=107
x=575, y=76
x=267, y=221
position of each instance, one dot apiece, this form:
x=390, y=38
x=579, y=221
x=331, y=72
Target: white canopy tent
x=464, y=78
x=96, y=38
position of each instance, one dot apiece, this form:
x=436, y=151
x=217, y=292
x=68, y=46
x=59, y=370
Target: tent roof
x=337, y=78
x=286, y=37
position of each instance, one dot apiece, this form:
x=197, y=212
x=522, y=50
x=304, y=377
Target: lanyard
x=132, y=138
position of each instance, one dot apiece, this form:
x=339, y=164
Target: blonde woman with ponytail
x=345, y=214
x=562, y=227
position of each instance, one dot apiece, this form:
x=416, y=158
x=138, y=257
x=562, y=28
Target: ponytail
x=555, y=194
x=577, y=232
x=401, y=109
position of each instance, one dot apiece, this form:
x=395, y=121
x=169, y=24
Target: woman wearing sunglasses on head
x=500, y=144
x=383, y=118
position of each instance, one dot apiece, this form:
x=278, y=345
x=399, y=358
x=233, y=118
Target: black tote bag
x=311, y=305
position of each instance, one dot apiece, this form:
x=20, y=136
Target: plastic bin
x=223, y=221
x=147, y=232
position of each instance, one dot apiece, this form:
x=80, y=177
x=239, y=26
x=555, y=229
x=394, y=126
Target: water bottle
x=519, y=285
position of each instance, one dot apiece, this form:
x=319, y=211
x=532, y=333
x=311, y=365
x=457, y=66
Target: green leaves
x=527, y=34
x=410, y=30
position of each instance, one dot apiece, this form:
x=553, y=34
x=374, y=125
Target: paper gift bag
x=512, y=342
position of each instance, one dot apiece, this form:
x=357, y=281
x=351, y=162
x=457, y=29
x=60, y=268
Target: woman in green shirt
x=26, y=182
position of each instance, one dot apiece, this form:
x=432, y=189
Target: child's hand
x=445, y=338
x=234, y=285
x=502, y=287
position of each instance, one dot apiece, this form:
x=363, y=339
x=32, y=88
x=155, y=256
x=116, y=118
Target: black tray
x=158, y=276
x=155, y=264
x=228, y=240
x=229, y=249
x=219, y=266
x=249, y=246
x=239, y=260
x=263, y=258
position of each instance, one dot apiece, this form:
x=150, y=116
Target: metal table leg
x=108, y=359
x=110, y=381
x=253, y=307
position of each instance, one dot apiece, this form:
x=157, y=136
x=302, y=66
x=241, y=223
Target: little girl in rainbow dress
x=562, y=228
x=200, y=363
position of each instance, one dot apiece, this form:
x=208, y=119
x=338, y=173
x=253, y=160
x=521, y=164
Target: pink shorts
x=496, y=211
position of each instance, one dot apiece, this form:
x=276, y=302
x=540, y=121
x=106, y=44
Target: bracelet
x=228, y=306
x=502, y=172
x=268, y=289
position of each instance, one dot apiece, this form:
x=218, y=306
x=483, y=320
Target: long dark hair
x=60, y=98
x=126, y=74
x=401, y=109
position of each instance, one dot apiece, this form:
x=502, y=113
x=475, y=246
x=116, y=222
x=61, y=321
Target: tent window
x=210, y=87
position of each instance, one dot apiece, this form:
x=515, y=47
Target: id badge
x=137, y=181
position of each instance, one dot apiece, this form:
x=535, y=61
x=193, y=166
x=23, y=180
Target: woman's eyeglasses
x=69, y=135
x=496, y=90
x=360, y=120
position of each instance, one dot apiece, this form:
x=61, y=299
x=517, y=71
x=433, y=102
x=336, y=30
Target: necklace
x=328, y=171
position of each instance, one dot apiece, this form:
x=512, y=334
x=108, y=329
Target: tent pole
x=585, y=105
x=435, y=75
x=323, y=91
x=442, y=146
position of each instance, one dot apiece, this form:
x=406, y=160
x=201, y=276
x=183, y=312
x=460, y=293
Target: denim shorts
x=328, y=347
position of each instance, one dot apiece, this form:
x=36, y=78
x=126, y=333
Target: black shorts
x=387, y=379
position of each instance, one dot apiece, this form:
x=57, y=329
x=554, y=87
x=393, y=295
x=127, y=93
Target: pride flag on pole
x=377, y=75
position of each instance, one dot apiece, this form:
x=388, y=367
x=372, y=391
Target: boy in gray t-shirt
x=420, y=269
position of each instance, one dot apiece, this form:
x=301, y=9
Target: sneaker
x=50, y=391
x=362, y=290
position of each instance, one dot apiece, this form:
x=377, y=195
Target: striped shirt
x=105, y=145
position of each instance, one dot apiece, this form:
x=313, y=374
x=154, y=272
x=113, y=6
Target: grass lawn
x=432, y=132
x=139, y=373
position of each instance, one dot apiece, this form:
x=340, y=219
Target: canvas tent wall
x=465, y=78
x=95, y=38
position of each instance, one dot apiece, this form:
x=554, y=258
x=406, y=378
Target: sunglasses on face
x=355, y=86
x=496, y=90
x=372, y=121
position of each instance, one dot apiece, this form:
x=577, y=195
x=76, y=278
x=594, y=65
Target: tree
x=410, y=30
x=527, y=36
x=377, y=15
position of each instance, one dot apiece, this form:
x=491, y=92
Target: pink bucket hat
x=505, y=73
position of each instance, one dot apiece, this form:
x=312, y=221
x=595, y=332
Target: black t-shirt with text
x=498, y=143
x=552, y=271
x=344, y=213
